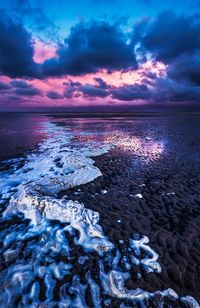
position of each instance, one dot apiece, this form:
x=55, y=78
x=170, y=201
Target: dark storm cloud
x=131, y=92
x=75, y=89
x=20, y=84
x=53, y=95
x=175, y=41
x=90, y=47
x=101, y=83
x=16, y=50
x=21, y=87
x=71, y=88
x=69, y=92
x=28, y=91
x=161, y=90
x=169, y=90
x=4, y=86
x=101, y=89
x=186, y=69
x=169, y=36
x=164, y=90
x=92, y=90
x=72, y=84
x=93, y=46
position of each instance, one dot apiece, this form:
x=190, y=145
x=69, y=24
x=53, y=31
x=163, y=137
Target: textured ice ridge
x=40, y=256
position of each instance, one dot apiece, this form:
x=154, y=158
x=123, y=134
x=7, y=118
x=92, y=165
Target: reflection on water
x=20, y=132
x=146, y=139
x=166, y=140
x=145, y=148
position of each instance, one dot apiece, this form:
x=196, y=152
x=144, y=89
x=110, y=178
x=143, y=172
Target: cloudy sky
x=62, y=54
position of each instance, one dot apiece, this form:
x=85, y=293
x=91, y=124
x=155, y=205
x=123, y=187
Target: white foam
x=190, y=301
x=33, y=190
x=138, y=196
x=149, y=263
x=114, y=285
x=58, y=168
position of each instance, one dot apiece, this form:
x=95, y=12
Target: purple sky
x=85, y=54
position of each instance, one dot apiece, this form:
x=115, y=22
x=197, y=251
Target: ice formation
x=42, y=237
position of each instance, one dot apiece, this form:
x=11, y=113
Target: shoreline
x=93, y=114
x=137, y=194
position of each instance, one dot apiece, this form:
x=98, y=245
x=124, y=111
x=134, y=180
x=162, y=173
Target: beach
x=115, y=212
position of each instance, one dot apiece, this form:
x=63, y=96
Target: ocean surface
x=178, y=135
x=58, y=247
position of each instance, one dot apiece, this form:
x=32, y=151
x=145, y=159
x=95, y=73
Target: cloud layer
x=112, y=48
x=92, y=46
x=16, y=50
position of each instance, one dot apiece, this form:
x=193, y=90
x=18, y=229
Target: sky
x=99, y=55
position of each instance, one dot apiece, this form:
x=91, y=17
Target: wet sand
x=150, y=185
x=168, y=213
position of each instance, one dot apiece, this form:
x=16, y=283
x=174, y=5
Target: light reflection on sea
x=147, y=139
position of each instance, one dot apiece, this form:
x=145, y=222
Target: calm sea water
x=175, y=138
x=20, y=132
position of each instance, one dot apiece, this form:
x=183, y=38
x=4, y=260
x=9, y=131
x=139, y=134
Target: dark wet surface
x=19, y=133
x=158, y=158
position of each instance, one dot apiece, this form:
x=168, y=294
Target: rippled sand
x=58, y=251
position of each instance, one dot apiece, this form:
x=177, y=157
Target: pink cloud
x=5, y=79
x=119, y=78
x=115, y=80
x=43, y=51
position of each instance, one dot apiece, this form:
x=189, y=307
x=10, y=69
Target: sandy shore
x=148, y=184
x=157, y=202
